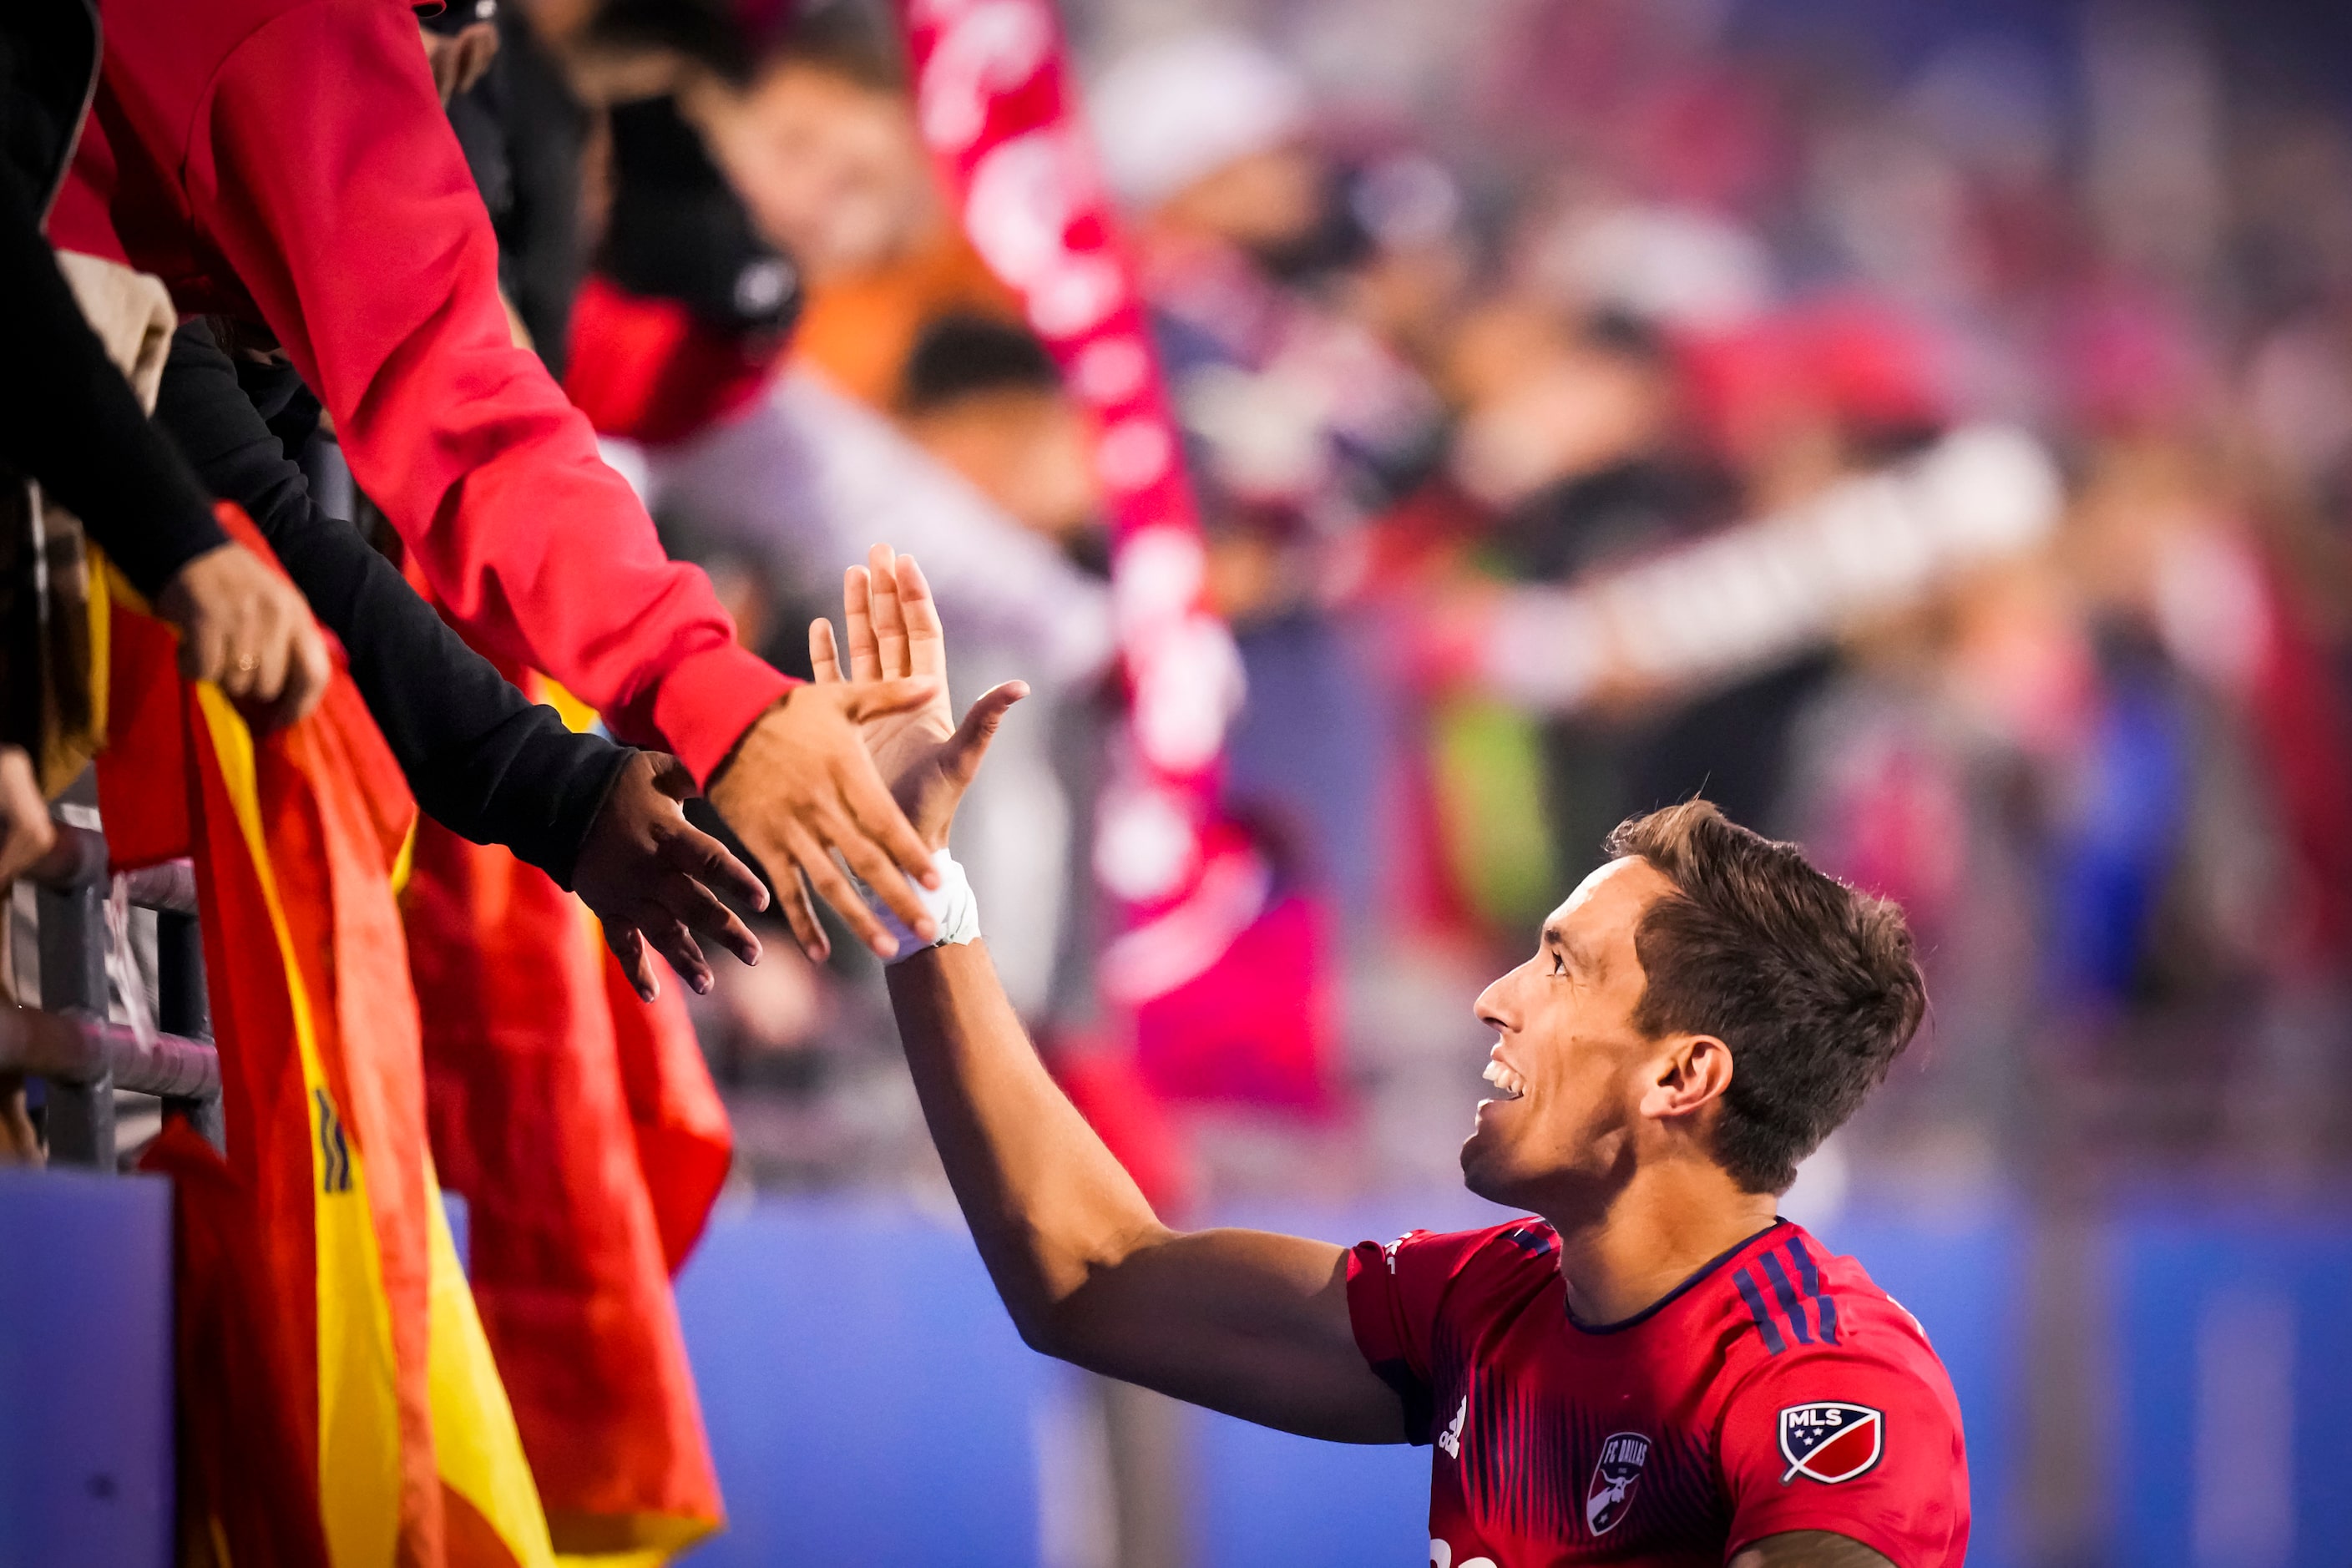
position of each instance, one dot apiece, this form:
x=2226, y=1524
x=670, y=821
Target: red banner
x=996, y=104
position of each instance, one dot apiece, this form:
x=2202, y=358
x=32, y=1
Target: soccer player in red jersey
x=1653, y=1368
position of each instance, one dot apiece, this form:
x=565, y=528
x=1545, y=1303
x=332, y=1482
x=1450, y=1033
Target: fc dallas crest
x=1829, y=1441
x=1606, y=1501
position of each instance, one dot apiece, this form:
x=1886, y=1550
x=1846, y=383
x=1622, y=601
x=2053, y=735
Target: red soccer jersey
x=1777, y=1389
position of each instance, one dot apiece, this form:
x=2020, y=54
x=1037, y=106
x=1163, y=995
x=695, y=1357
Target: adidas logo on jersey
x=1451, y=1438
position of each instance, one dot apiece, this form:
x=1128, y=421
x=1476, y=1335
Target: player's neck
x=1655, y=1232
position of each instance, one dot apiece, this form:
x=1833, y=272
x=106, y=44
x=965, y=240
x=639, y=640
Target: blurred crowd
x=1935, y=452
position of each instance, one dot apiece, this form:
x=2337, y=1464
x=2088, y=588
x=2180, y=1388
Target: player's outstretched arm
x=1809, y=1549
x=1249, y=1323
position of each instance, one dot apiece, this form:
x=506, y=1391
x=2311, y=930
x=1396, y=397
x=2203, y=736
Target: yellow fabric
x=102, y=575
x=577, y=715
x=475, y=1447
x=477, y=1450
x=359, y=1422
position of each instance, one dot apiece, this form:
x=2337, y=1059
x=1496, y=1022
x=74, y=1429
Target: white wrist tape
x=951, y=906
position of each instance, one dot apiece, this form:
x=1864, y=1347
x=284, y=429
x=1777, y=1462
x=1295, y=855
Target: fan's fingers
x=877, y=870
x=636, y=961
x=857, y=614
x=800, y=915
x=834, y=887
x=927, y=638
x=675, y=943
x=269, y=676
x=878, y=817
x=889, y=623
x=689, y=849
x=824, y=655
x=203, y=651
x=703, y=914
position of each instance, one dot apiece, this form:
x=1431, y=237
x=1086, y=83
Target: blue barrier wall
x=868, y=1400
x=85, y=1370
x=870, y=1404
x=2233, y=1358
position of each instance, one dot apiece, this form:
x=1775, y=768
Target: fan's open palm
x=925, y=758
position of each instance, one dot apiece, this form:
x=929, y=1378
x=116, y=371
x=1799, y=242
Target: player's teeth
x=1504, y=1079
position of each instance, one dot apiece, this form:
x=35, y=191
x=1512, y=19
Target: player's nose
x=1493, y=1006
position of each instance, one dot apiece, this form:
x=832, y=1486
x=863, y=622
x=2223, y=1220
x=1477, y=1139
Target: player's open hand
x=928, y=759
x=650, y=876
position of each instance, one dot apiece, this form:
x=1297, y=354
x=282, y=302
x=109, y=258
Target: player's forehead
x=1599, y=920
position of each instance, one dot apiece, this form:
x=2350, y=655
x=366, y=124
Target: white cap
x=1170, y=112
x=1674, y=266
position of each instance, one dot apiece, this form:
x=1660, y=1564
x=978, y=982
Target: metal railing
x=69, y=1042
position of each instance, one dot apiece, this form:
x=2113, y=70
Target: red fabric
x=246, y=1453
x=334, y=814
x=685, y=1143
x=1850, y=360
x=584, y=1131
x=287, y=162
x=2306, y=739
x=646, y=370
x=1255, y=1026
x=1474, y=1332
x=1130, y=1120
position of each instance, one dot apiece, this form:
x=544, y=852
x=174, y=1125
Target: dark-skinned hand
x=650, y=875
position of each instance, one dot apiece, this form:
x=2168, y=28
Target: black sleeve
x=69, y=420
x=484, y=761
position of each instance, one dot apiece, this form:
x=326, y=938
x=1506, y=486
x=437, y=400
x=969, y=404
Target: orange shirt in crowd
x=859, y=330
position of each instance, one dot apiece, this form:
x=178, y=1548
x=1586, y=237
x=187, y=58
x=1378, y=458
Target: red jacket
x=288, y=161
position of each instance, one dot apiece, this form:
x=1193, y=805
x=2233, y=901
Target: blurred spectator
x=824, y=149
x=983, y=397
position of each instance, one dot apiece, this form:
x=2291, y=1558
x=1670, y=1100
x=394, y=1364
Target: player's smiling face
x=1569, y=1065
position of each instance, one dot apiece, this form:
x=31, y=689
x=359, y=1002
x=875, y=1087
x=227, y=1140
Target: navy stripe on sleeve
x=1789, y=1303
x=1825, y=1304
x=1758, y=1311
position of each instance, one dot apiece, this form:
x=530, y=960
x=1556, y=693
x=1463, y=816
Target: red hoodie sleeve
x=323, y=169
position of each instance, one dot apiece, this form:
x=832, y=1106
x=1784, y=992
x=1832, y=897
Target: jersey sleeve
x=1861, y=1440
x=1394, y=1293
x=323, y=170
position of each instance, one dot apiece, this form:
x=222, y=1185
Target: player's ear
x=1693, y=1070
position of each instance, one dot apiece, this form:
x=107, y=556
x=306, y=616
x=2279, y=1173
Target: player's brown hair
x=1813, y=984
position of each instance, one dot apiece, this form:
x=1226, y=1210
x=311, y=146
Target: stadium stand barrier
x=81, y=1057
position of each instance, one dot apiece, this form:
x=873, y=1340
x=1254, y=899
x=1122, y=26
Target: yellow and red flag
x=582, y=1127
x=339, y=1404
